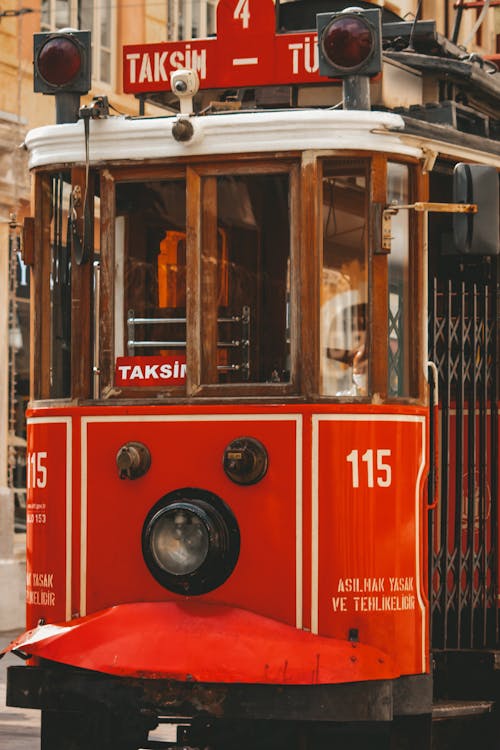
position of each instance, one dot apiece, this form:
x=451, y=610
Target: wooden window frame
x=198, y=355
x=200, y=362
x=378, y=278
x=418, y=190
x=374, y=178
x=110, y=177
x=81, y=356
x=41, y=329
x=305, y=253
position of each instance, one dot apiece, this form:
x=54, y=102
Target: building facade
x=113, y=23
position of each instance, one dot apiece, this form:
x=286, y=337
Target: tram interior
x=244, y=265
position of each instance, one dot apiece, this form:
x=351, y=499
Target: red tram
x=247, y=517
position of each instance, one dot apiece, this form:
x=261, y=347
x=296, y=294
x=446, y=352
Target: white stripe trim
x=418, y=511
x=316, y=419
x=196, y=418
x=298, y=527
x=297, y=418
x=69, y=499
x=245, y=61
x=83, y=519
x=314, y=524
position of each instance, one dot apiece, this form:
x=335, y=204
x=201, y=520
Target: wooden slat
x=378, y=287
x=106, y=297
x=418, y=285
x=296, y=304
x=41, y=298
x=28, y=241
x=307, y=283
x=193, y=301
x=81, y=298
x=209, y=268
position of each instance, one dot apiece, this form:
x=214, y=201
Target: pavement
x=19, y=727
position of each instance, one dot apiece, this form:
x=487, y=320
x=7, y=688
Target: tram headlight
x=180, y=539
x=190, y=541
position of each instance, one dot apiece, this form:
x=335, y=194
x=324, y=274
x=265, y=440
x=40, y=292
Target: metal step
x=455, y=709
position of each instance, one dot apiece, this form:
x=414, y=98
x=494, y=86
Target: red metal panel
x=307, y=532
x=187, y=451
x=370, y=515
x=194, y=641
x=47, y=523
x=246, y=52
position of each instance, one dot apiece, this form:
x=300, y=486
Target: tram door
x=463, y=344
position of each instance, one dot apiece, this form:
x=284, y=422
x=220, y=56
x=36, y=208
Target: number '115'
x=373, y=468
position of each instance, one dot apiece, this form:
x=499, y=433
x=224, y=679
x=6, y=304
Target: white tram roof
x=138, y=139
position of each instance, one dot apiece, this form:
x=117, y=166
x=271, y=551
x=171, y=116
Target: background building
x=113, y=23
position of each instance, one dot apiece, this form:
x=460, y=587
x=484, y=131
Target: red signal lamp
x=62, y=62
x=59, y=61
x=350, y=43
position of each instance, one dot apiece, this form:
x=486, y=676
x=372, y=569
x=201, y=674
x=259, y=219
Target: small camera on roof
x=184, y=82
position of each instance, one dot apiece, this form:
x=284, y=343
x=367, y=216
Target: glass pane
x=60, y=288
x=105, y=22
x=399, y=361
x=211, y=18
x=19, y=375
x=251, y=280
x=171, y=17
x=105, y=72
x=63, y=14
x=150, y=283
x=45, y=19
x=344, y=281
x=85, y=15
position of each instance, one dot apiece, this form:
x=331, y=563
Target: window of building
x=86, y=14
x=188, y=20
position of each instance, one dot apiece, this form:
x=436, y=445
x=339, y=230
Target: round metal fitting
x=133, y=460
x=245, y=460
x=182, y=129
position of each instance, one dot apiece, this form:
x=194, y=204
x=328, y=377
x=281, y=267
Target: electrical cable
x=478, y=23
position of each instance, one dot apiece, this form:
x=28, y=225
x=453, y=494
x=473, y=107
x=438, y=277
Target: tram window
x=245, y=259
x=344, y=281
x=399, y=287
x=150, y=274
x=60, y=287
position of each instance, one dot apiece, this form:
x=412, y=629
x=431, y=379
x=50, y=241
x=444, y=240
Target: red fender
x=195, y=641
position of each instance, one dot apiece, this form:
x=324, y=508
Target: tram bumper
x=191, y=658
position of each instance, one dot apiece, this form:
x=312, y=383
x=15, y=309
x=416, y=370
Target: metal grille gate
x=463, y=541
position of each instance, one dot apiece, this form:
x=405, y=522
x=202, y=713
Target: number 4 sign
x=242, y=12
x=246, y=52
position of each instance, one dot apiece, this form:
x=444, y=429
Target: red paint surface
x=246, y=52
x=46, y=517
x=374, y=533
x=138, y=372
x=202, y=643
x=371, y=536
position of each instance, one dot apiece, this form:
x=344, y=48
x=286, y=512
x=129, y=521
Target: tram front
x=228, y=434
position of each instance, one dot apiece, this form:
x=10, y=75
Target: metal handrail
x=243, y=343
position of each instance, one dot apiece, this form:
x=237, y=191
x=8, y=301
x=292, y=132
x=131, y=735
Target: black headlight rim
x=224, y=541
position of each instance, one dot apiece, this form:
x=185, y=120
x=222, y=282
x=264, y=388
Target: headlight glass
x=190, y=541
x=179, y=541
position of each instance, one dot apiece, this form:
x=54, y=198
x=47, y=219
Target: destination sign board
x=247, y=51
